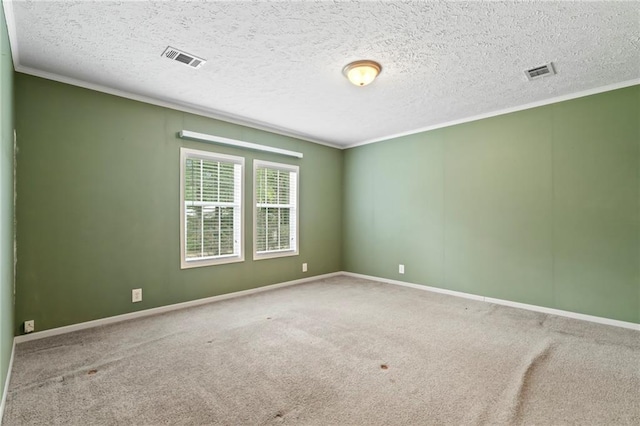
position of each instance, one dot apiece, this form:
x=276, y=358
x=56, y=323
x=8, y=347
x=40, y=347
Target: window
x=210, y=208
x=275, y=189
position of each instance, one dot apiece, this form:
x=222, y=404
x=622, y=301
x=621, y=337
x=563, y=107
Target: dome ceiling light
x=362, y=73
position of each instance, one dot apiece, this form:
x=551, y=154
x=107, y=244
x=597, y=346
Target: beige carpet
x=342, y=351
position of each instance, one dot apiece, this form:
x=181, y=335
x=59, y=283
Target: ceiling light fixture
x=362, y=73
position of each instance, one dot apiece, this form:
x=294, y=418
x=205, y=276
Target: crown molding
x=258, y=125
x=216, y=115
x=9, y=17
x=284, y=132
x=504, y=111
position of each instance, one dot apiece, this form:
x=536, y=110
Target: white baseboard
x=7, y=381
x=551, y=311
x=183, y=305
x=162, y=309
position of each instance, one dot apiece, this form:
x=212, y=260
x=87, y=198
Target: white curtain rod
x=203, y=137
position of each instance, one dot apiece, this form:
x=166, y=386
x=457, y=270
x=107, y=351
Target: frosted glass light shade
x=362, y=73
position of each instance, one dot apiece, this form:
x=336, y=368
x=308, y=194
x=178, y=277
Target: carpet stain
x=384, y=366
x=92, y=372
x=279, y=415
x=268, y=317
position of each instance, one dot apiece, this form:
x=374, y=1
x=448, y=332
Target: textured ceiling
x=278, y=64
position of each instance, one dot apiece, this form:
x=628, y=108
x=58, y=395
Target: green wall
x=539, y=206
x=98, y=206
x=6, y=201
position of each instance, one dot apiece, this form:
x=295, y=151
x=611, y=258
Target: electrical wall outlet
x=29, y=326
x=401, y=268
x=136, y=295
x=304, y=267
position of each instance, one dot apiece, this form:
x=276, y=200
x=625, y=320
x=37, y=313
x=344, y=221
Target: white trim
x=7, y=381
x=219, y=260
x=203, y=137
x=276, y=253
x=162, y=309
x=551, y=311
x=210, y=113
x=561, y=313
x=418, y=286
x=9, y=18
x=174, y=105
x=255, y=124
x=504, y=111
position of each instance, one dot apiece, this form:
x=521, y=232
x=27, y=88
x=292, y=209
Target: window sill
x=275, y=254
x=188, y=264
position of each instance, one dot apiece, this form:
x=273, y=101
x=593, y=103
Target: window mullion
x=266, y=212
x=279, y=235
x=279, y=210
x=201, y=208
x=219, y=211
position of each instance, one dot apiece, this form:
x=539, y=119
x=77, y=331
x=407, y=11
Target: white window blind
x=276, y=209
x=211, y=210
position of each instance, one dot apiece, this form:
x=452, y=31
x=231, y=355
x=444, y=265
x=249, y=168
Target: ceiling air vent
x=541, y=71
x=184, y=57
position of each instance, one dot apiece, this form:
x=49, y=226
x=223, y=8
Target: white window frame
x=215, y=260
x=275, y=253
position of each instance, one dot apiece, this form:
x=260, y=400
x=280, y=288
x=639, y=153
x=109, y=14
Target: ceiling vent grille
x=184, y=57
x=539, y=72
